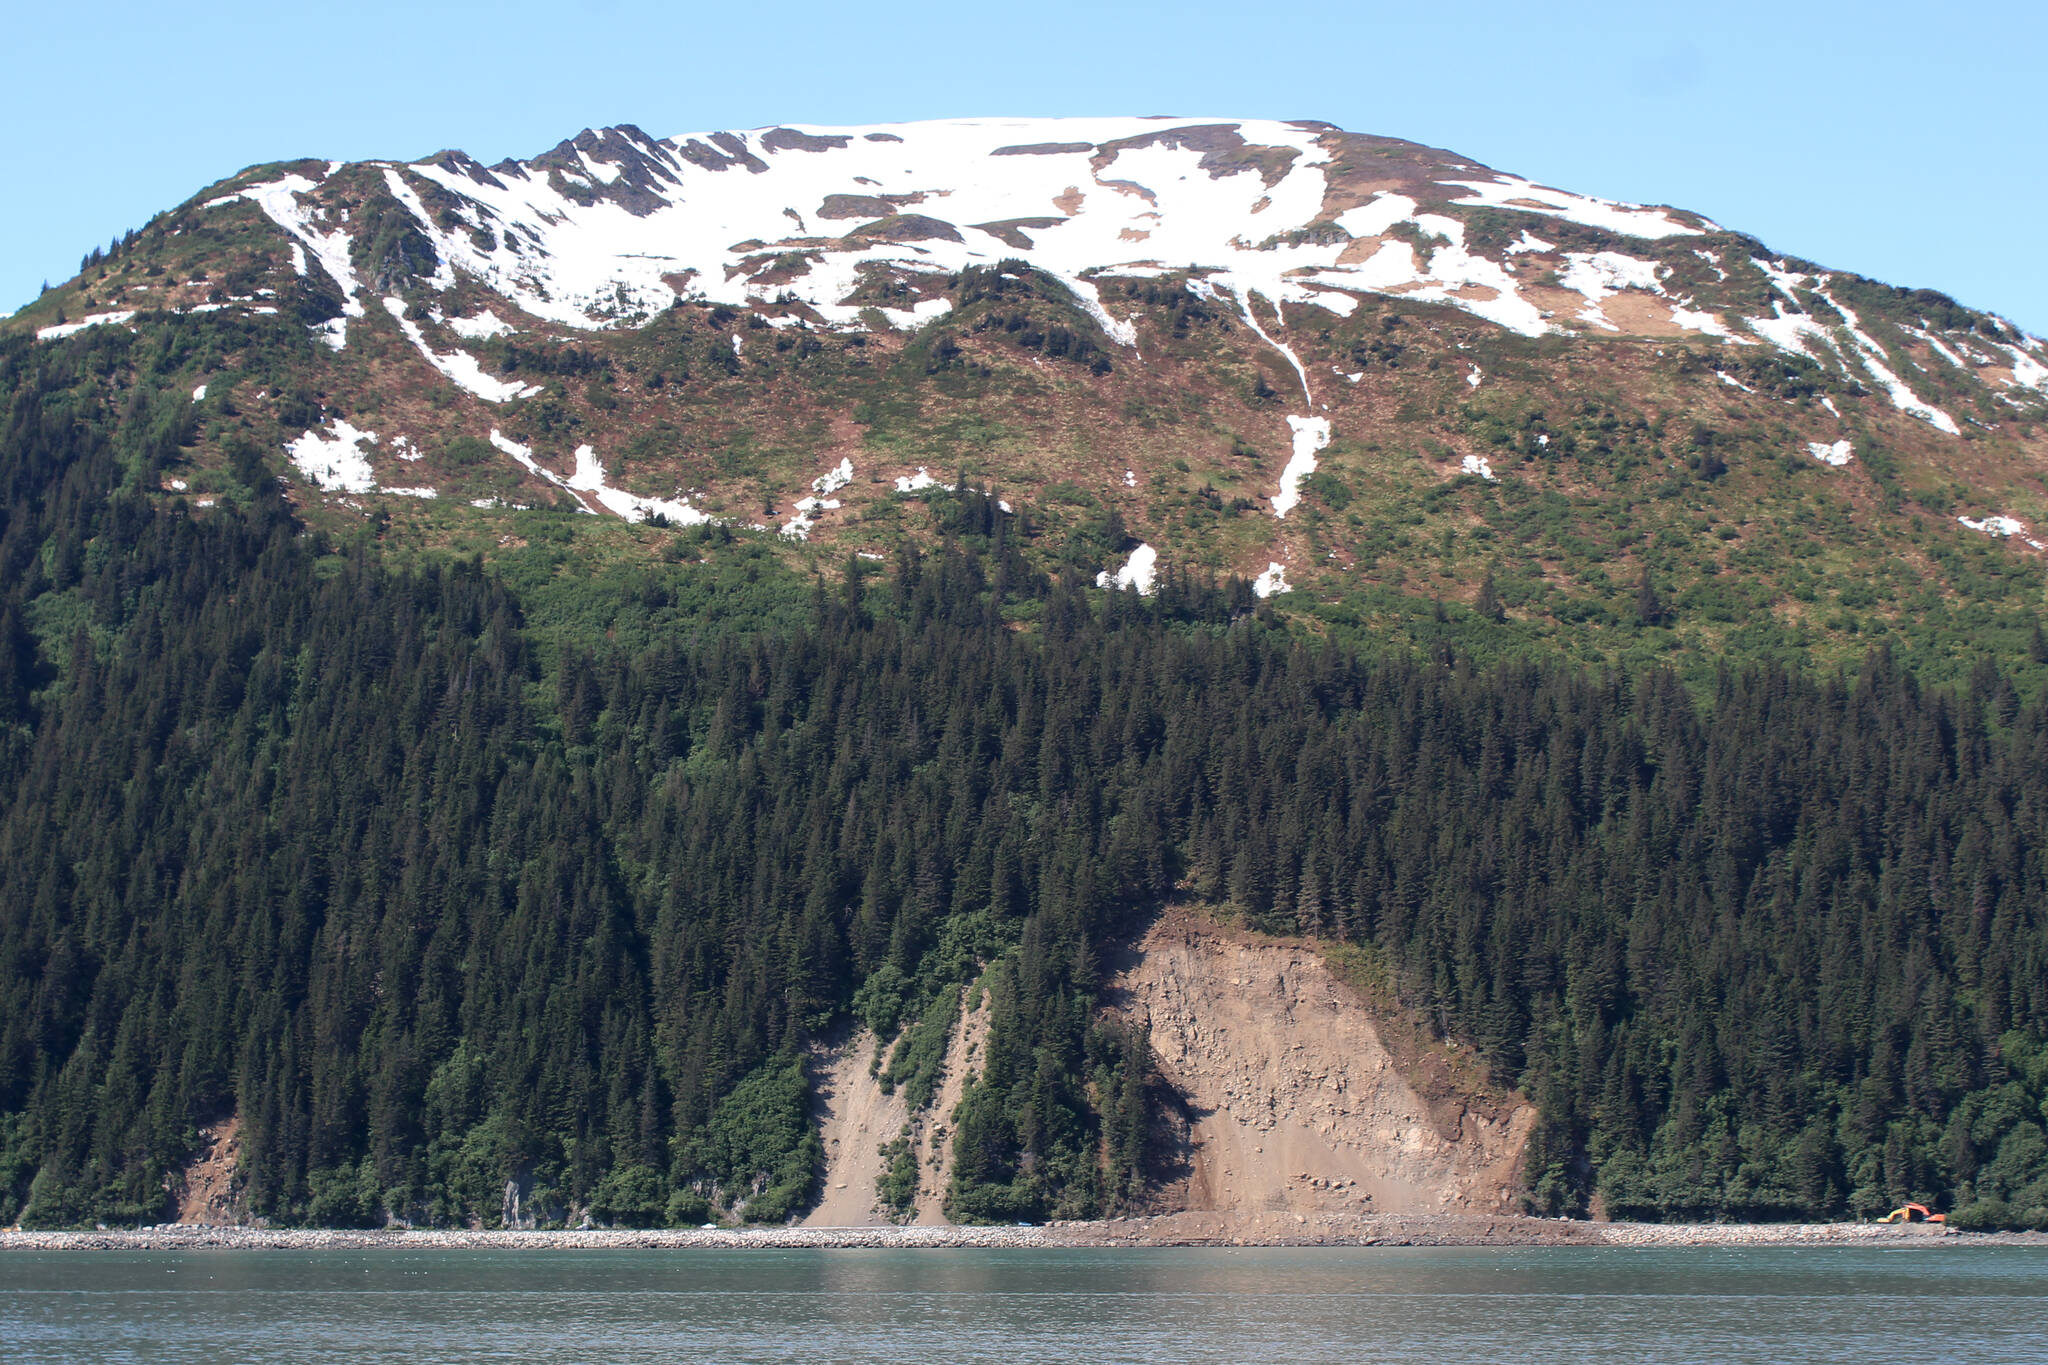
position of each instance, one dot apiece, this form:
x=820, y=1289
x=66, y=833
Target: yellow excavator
x=1914, y=1213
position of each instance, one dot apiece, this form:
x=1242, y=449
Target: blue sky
x=1902, y=141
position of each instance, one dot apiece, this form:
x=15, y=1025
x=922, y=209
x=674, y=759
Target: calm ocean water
x=1265, y=1306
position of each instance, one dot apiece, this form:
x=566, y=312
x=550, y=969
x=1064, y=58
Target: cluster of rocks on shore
x=1192, y=1229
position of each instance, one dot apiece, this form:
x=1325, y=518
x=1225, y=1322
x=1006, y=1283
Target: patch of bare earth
x=932, y=1139
x=1291, y=1102
x=210, y=1190
x=856, y=1119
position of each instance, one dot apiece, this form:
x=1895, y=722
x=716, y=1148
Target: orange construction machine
x=1914, y=1213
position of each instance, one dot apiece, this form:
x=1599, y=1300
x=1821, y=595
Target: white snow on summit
x=797, y=215
x=1509, y=191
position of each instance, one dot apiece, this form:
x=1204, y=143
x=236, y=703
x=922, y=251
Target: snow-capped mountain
x=612, y=227
x=606, y=318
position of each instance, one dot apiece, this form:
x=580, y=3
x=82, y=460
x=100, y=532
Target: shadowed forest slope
x=442, y=877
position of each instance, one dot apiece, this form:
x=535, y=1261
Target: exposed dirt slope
x=857, y=1119
x=933, y=1139
x=209, y=1192
x=1292, y=1102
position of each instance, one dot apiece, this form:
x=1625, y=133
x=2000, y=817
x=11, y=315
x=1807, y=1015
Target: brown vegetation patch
x=1010, y=231
x=1361, y=249
x=1043, y=149
x=1641, y=314
x=906, y=227
x=789, y=139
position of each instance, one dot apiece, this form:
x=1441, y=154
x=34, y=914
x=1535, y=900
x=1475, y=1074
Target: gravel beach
x=1180, y=1229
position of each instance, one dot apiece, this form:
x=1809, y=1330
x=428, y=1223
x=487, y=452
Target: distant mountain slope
x=1355, y=369
x=473, y=726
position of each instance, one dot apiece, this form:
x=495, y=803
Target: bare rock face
x=1291, y=1101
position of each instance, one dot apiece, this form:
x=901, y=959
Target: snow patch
x=834, y=479
x=1872, y=356
x=1273, y=580
x=198, y=393
x=1996, y=525
x=1311, y=434
x=459, y=366
x=1599, y=275
x=1836, y=453
x=799, y=526
x=918, y=482
x=1377, y=214
x=524, y=454
x=1146, y=206
x=279, y=199
x=335, y=463
x=589, y=478
x=444, y=274
x=482, y=327
x=1474, y=376
x=2027, y=372
x=1138, y=572
x=1513, y=192
x=65, y=329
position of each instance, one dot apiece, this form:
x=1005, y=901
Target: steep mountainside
x=1362, y=371
x=987, y=670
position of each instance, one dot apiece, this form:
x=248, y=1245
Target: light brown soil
x=932, y=1138
x=1292, y=1102
x=210, y=1191
x=1640, y=314
x=858, y=1118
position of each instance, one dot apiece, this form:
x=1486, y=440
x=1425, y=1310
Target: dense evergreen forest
x=435, y=898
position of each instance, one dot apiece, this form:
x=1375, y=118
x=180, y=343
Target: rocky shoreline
x=1165, y=1230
